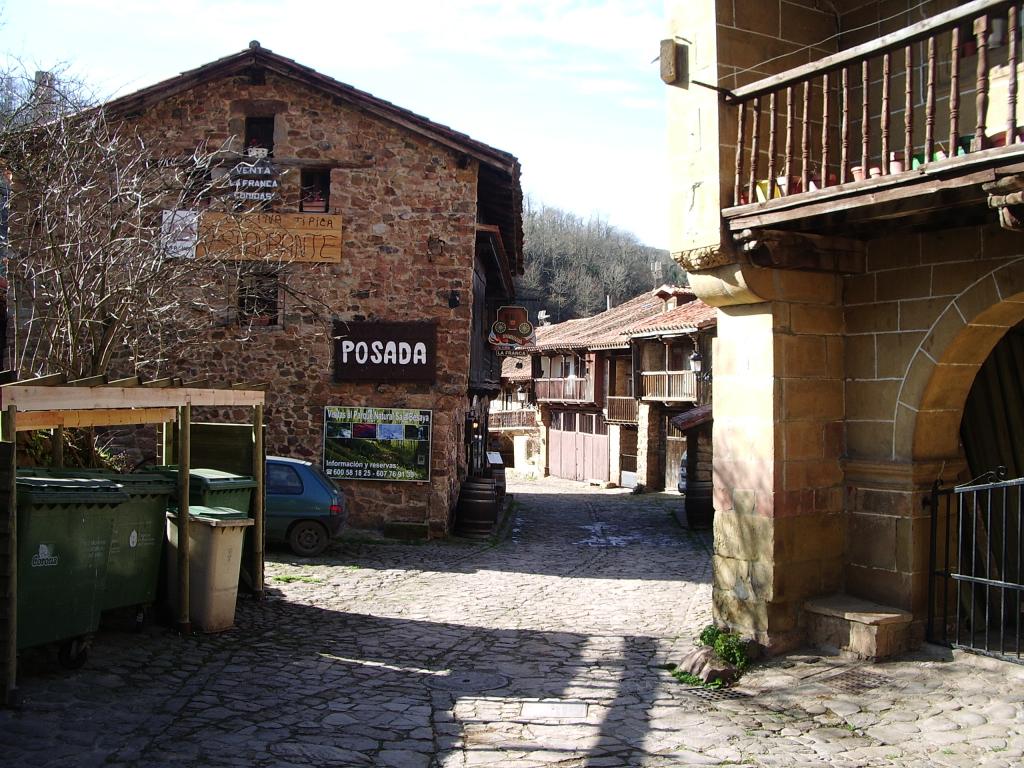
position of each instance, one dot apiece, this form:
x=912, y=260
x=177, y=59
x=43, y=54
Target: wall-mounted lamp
x=520, y=394
x=453, y=299
x=696, y=361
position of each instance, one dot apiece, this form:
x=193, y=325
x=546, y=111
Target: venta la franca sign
x=385, y=351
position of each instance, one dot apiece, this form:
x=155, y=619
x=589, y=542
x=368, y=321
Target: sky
x=569, y=87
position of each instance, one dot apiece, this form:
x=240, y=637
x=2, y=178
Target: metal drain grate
x=716, y=694
x=857, y=681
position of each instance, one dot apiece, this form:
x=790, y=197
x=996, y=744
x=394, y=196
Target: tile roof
x=605, y=330
x=693, y=315
x=516, y=369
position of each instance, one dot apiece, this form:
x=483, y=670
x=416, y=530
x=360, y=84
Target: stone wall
x=395, y=192
x=650, y=443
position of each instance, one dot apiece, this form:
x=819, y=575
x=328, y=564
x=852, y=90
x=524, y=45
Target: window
x=259, y=132
x=316, y=190
x=258, y=298
x=283, y=479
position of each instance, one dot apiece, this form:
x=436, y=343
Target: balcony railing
x=842, y=120
x=670, y=385
x=622, y=409
x=524, y=418
x=569, y=390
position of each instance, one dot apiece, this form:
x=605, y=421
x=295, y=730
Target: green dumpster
x=137, y=533
x=213, y=488
x=216, y=536
x=64, y=528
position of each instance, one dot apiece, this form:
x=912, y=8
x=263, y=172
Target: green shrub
x=709, y=634
x=728, y=646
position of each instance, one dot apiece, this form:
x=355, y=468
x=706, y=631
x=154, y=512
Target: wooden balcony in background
x=669, y=386
x=832, y=147
x=569, y=390
x=524, y=418
x=622, y=410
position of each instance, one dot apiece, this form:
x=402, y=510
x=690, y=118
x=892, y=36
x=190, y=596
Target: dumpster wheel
x=73, y=653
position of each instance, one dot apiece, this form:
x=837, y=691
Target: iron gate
x=975, y=585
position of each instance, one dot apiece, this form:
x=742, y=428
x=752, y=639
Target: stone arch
x=934, y=389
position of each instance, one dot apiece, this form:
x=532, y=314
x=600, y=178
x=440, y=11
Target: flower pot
x=314, y=206
x=875, y=172
x=895, y=166
x=858, y=172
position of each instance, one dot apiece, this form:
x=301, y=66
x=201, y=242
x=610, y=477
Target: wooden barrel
x=700, y=503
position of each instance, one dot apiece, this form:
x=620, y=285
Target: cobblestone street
x=543, y=649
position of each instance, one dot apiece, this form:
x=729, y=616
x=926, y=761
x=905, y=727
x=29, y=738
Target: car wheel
x=307, y=538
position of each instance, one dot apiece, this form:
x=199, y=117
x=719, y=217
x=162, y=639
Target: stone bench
x=857, y=627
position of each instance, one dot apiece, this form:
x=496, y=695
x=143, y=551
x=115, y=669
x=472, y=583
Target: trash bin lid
x=138, y=483
x=215, y=480
x=67, y=490
x=214, y=513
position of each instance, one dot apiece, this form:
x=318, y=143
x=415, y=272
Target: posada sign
x=385, y=351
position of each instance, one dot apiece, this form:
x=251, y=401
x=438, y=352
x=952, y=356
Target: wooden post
x=10, y=661
x=741, y=113
x=844, y=146
x=981, y=36
x=929, y=106
x=772, y=114
x=184, y=456
x=825, y=155
x=886, y=67
x=257, y=507
x=57, y=443
x=805, y=158
x=865, y=116
x=788, y=167
x=1011, y=87
x=755, y=149
x=908, y=107
x=954, y=93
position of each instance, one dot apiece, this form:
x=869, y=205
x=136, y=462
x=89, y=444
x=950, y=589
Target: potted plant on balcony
x=314, y=202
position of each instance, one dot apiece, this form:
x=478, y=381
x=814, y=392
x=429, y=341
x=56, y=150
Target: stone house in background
x=606, y=389
x=841, y=172
x=401, y=231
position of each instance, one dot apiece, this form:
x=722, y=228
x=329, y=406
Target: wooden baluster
x=865, y=116
x=755, y=149
x=844, y=142
x=741, y=111
x=825, y=83
x=789, y=141
x=805, y=170
x=1012, y=26
x=886, y=64
x=772, y=119
x=981, y=36
x=954, y=94
x=929, y=107
x=908, y=109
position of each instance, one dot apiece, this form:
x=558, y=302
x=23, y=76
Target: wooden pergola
x=54, y=403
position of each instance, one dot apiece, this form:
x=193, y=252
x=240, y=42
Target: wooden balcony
x=524, y=418
x=902, y=131
x=622, y=410
x=569, y=390
x=670, y=386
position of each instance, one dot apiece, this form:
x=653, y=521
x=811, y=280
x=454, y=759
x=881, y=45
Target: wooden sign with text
x=304, y=237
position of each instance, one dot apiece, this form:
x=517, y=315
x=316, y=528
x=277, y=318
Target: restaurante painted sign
x=385, y=351
x=287, y=237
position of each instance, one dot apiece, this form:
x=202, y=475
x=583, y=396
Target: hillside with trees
x=573, y=265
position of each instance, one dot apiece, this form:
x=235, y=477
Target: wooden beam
x=96, y=417
x=10, y=599
x=184, y=618
x=887, y=43
x=258, y=467
x=866, y=198
x=32, y=398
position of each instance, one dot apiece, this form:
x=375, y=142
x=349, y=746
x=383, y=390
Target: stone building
x=841, y=171
x=400, y=230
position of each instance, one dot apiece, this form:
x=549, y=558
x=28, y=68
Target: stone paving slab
x=464, y=654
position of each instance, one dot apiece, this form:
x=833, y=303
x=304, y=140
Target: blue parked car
x=304, y=507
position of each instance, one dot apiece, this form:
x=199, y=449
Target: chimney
x=45, y=97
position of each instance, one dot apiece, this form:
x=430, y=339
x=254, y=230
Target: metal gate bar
x=975, y=581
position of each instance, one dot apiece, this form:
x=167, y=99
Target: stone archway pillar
x=650, y=446
x=778, y=441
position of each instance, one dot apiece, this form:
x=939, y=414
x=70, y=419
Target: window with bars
x=258, y=298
